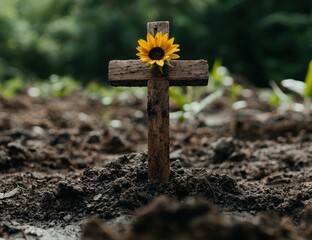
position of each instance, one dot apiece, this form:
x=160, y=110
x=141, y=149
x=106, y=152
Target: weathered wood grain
x=158, y=118
x=159, y=26
x=133, y=73
x=158, y=129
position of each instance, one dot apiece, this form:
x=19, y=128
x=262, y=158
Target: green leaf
x=308, y=81
x=167, y=62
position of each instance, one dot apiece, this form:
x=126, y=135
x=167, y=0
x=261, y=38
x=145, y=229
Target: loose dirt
x=234, y=175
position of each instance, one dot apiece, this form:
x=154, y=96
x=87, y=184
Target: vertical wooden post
x=158, y=117
x=133, y=73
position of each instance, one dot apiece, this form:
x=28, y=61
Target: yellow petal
x=143, y=43
x=170, y=41
x=151, y=41
x=172, y=47
x=165, y=37
x=174, y=56
x=142, y=50
x=167, y=45
x=160, y=62
x=158, y=39
x=172, y=51
x=145, y=59
x=142, y=55
x=164, y=45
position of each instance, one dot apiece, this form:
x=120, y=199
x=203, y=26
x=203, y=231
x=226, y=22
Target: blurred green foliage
x=9, y=88
x=304, y=89
x=57, y=86
x=261, y=40
x=308, y=82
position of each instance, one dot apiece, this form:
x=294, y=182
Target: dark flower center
x=156, y=53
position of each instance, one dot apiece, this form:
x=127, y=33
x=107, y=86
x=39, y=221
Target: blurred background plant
x=108, y=96
x=56, y=86
x=11, y=87
x=276, y=98
x=258, y=39
x=304, y=89
x=193, y=100
x=283, y=101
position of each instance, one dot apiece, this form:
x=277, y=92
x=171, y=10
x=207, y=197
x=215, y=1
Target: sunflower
x=158, y=50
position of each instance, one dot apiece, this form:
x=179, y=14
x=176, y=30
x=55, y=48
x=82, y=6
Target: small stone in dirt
x=223, y=148
x=97, y=197
x=61, y=139
x=85, y=127
x=141, y=175
x=18, y=154
x=68, y=191
x=94, y=137
x=123, y=159
x=37, y=131
x=47, y=200
x=114, y=165
x=19, y=134
x=176, y=164
x=67, y=218
x=176, y=154
x=116, y=144
x=15, y=147
x=237, y=156
x=228, y=184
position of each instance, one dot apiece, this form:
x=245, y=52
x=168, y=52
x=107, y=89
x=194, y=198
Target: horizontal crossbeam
x=133, y=73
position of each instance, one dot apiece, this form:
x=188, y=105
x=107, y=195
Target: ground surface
x=61, y=162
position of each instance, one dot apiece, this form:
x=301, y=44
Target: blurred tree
x=261, y=40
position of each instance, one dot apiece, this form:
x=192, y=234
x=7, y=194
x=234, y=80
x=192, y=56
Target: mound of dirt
x=63, y=161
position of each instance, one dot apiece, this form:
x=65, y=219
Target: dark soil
x=234, y=175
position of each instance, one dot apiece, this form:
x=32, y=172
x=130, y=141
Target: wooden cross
x=133, y=73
